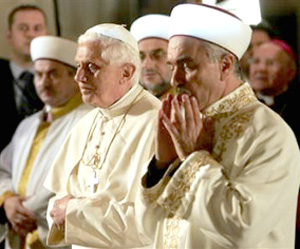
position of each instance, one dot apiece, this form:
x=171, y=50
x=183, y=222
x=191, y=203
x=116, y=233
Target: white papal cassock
x=122, y=136
x=13, y=161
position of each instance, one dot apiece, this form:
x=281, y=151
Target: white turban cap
x=115, y=31
x=151, y=26
x=212, y=24
x=54, y=48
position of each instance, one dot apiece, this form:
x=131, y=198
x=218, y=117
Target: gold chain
x=95, y=160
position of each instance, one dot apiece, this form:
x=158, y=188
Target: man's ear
x=128, y=70
x=227, y=65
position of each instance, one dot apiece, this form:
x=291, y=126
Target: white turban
x=54, y=48
x=115, y=31
x=212, y=24
x=151, y=26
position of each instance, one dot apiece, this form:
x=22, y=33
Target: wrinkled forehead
x=88, y=51
x=184, y=46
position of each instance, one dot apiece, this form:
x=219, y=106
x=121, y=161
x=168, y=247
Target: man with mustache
x=226, y=168
x=25, y=161
x=151, y=32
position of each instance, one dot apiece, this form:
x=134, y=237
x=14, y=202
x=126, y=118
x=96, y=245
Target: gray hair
x=215, y=53
x=114, y=51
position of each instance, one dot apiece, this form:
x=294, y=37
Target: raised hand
x=187, y=128
x=165, y=151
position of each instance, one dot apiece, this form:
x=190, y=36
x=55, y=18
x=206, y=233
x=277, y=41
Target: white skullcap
x=115, y=31
x=152, y=25
x=55, y=48
x=211, y=24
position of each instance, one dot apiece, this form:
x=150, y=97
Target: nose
x=80, y=75
x=148, y=62
x=178, y=77
x=31, y=33
x=258, y=64
x=43, y=80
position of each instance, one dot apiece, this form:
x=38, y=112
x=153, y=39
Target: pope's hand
x=58, y=213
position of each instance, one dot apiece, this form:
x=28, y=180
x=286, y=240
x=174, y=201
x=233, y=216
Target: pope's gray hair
x=114, y=51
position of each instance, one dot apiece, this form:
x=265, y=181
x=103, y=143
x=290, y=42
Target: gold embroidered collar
x=232, y=102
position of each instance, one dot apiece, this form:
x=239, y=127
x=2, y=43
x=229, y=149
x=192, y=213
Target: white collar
x=17, y=70
x=123, y=103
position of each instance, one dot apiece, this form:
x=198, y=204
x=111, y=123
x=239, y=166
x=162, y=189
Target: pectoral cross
x=93, y=182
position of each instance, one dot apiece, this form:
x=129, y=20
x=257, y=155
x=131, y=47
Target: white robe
x=14, y=157
x=125, y=153
x=243, y=195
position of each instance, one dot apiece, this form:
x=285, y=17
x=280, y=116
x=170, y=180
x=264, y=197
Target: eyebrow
x=153, y=51
x=182, y=59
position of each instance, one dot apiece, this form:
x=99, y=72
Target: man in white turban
x=152, y=34
x=26, y=160
x=97, y=172
x=226, y=169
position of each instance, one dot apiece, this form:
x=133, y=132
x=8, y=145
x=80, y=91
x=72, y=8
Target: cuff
x=179, y=193
x=4, y=196
x=33, y=241
x=150, y=194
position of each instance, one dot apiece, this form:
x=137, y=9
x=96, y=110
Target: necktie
x=29, y=101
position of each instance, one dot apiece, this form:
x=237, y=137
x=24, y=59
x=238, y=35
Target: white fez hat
x=212, y=24
x=151, y=25
x=115, y=31
x=54, y=48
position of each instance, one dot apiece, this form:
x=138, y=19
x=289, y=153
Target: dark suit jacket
x=11, y=117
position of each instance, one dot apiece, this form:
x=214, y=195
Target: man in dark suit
x=19, y=98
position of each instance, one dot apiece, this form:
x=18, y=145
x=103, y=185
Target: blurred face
x=54, y=82
x=269, y=69
x=27, y=25
x=258, y=38
x=192, y=72
x=156, y=73
x=101, y=83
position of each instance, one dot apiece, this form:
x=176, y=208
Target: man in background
x=151, y=32
x=19, y=97
x=272, y=72
x=261, y=33
x=25, y=162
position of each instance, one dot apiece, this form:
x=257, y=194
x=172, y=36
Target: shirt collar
x=17, y=70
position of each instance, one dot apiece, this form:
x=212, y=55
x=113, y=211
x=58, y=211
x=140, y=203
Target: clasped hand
x=58, y=212
x=182, y=129
x=21, y=219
